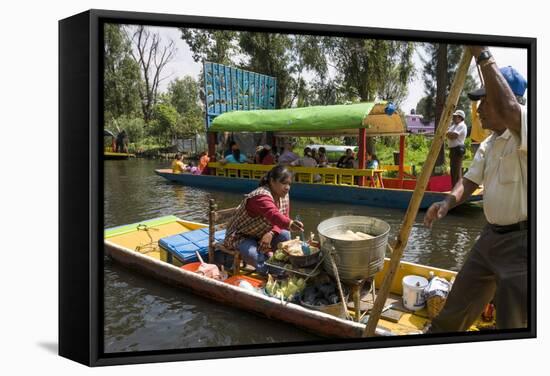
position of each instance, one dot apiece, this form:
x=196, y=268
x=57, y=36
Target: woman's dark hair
x=178, y=156
x=307, y=151
x=277, y=173
x=322, y=150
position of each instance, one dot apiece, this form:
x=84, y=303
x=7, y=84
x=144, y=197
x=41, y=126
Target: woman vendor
x=262, y=219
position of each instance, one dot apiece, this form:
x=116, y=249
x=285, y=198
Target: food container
x=304, y=261
x=355, y=259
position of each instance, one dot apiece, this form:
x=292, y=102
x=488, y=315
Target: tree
x=166, y=118
x=184, y=97
x=369, y=69
x=152, y=58
x=121, y=75
x=439, y=69
x=454, y=53
x=218, y=46
x=184, y=94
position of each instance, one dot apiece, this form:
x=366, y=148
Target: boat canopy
x=314, y=120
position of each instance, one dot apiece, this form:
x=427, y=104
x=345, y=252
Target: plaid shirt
x=242, y=225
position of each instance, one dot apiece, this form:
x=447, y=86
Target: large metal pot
x=355, y=259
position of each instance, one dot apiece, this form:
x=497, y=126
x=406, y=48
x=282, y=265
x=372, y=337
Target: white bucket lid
x=415, y=281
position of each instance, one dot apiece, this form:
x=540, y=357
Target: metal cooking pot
x=355, y=259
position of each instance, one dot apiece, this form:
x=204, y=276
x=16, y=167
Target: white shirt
x=459, y=129
x=500, y=164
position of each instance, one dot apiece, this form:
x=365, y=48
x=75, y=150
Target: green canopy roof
x=315, y=118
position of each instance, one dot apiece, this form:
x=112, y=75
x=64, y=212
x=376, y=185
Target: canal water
x=143, y=314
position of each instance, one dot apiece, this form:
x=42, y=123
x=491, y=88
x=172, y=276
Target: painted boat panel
x=381, y=197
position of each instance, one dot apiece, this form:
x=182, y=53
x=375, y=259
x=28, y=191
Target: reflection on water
x=143, y=314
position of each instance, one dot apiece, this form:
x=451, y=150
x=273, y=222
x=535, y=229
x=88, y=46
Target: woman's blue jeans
x=249, y=251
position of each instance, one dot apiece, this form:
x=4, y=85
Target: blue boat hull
x=380, y=197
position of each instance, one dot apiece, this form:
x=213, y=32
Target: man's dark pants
x=495, y=268
x=456, y=155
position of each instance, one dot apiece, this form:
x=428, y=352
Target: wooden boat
x=136, y=246
x=350, y=186
x=113, y=155
x=243, y=178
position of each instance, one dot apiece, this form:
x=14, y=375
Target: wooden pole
x=414, y=204
x=401, y=160
x=362, y=153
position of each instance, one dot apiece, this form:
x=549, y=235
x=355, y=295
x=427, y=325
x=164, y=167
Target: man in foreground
x=496, y=267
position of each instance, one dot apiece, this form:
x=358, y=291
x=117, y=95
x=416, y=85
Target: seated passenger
x=288, y=156
x=307, y=161
x=322, y=159
x=262, y=220
x=235, y=157
x=372, y=161
x=177, y=164
x=266, y=157
x=203, y=161
x=346, y=161
x=257, y=154
x=192, y=169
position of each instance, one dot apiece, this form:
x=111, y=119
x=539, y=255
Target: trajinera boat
x=150, y=247
x=352, y=186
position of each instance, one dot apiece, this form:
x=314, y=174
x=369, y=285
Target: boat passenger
x=276, y=154
x=372, y=161
x=266, y=157
x=259, y=149
x=232, y=146
x=288, y=156
x=346, y=160
x=315, y=155
x=203, y=161
x=235, y=157
x=262, y=219
x=307, y=161
x=192, y=169
x=178, y=166
x=497, y=265
x=322, y=159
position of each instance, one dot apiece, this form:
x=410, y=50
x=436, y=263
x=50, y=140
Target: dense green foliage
x=121, y=75
x=426, y=106
x=310, y=70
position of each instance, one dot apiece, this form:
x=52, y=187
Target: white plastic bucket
x=413, y=292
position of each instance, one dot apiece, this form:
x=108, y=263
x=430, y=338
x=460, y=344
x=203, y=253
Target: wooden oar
x=416, y=198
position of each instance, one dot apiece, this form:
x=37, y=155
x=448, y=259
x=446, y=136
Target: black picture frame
x=81, y=189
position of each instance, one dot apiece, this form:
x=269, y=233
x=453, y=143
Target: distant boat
x=416, y=124
x=336, y=185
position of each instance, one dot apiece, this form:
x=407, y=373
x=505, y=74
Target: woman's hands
x=265, y=242
x=296, y=226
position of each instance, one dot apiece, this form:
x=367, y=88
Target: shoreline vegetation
x=153, y=115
